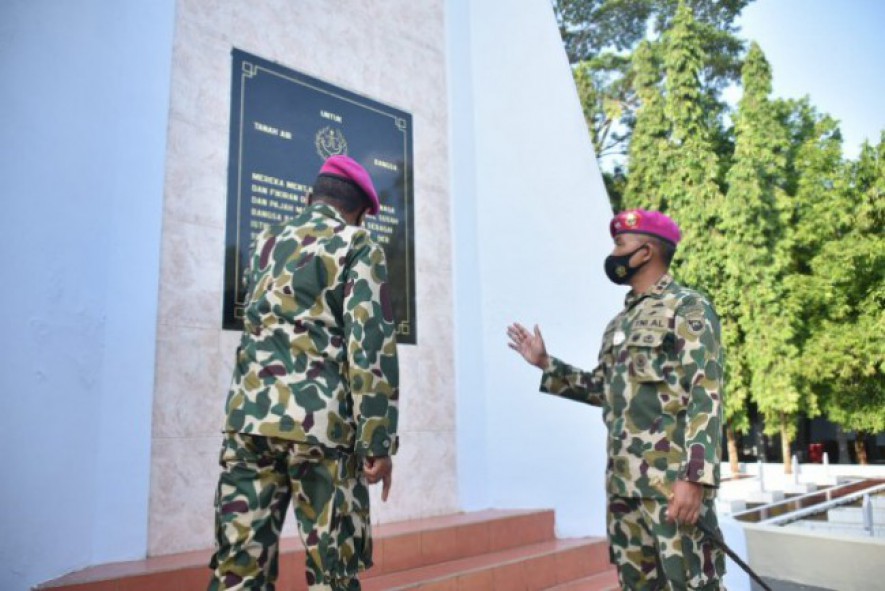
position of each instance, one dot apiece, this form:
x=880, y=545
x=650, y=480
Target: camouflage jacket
x=659, y=382
x=317, y=362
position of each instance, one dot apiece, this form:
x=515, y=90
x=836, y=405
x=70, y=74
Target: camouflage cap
x=348, y=169
x=640, y=221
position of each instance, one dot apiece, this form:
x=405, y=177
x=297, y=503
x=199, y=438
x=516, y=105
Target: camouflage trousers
x=653, y=554
x=259, y=477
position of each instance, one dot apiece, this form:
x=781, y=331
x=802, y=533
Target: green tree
x=815, y=215
x=758, y=319
x=844, y=357
x=651, y=136
x=616, y=185
x=592, y=27
x=816, y=175
x=749, y=199
x=690, y=192
x=605, y=95
x=602, y=115
x=601, y=35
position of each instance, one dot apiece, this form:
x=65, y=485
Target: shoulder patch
x=695, y=323
x=695, y=317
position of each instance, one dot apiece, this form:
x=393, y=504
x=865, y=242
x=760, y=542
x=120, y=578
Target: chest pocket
x=647, y=355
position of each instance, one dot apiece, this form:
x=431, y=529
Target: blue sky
x=831, y=50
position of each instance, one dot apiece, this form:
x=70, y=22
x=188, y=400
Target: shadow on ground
x=788, y=586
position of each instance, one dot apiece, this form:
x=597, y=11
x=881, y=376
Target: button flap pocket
x=646, y=355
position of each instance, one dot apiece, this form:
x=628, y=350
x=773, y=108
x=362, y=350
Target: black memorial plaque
x=283, y=126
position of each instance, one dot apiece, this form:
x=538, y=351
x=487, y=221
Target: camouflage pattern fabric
x=331, y=500
x=317, y=362
x=314, y=392
x=659, y=382
x=653, y=554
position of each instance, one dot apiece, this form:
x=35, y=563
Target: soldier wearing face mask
x=659, y=383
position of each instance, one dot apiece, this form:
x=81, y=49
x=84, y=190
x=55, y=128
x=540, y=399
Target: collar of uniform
x=656, y=291
x=326, y=210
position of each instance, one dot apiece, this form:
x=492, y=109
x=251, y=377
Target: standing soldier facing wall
x=312, y=408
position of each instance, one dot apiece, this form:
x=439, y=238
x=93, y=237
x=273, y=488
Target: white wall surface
x=392, y=51
x=472, y=412
x=83, y=110
x=530, y=235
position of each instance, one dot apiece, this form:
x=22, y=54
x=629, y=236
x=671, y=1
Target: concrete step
x=842, y=529
x=799, y=488
x=854, y=515
x=422, y=542
x=399, y=548
x=764, y=497
x=534, y=567
x=605, y=581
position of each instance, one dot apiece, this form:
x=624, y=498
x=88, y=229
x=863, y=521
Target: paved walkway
x=787, y=586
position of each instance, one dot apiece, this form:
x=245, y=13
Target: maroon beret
x=345, y=167
x=640, y=221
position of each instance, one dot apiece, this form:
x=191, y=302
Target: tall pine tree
x=651, y=135
x=690, y=192
x=757, y=317
x=844, y=357
x=816, y=215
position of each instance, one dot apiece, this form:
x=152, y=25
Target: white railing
x=820, y=507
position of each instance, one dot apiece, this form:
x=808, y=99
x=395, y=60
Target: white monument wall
x=531, y=232
x=391, y=51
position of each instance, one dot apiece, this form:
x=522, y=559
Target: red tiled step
x=398, y=546
x=533, y=567
x=605, y=581
x=422, y=542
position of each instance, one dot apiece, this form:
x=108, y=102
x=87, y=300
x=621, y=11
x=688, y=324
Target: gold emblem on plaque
x=329, y=142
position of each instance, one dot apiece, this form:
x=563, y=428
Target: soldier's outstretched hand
x=528, y=344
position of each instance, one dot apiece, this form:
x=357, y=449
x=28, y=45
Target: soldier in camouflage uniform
x=659, y=383
x=312, y=408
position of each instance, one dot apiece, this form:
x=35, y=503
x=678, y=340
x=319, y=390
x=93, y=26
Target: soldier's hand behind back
x=528, y=344
x=379, y=469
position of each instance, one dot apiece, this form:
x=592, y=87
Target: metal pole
x=867, y=510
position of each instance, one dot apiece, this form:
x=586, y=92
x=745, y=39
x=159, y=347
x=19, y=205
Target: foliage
x=784, y=234
x=600, y=37
x=592, y=27
x=606, y=99
x=844, y=357
x=760, y=319
x=689, y=191
x=756, y=332
x=651, y=138
x=615, y=185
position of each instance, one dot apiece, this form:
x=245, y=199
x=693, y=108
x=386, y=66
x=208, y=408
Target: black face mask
x=618, y=269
